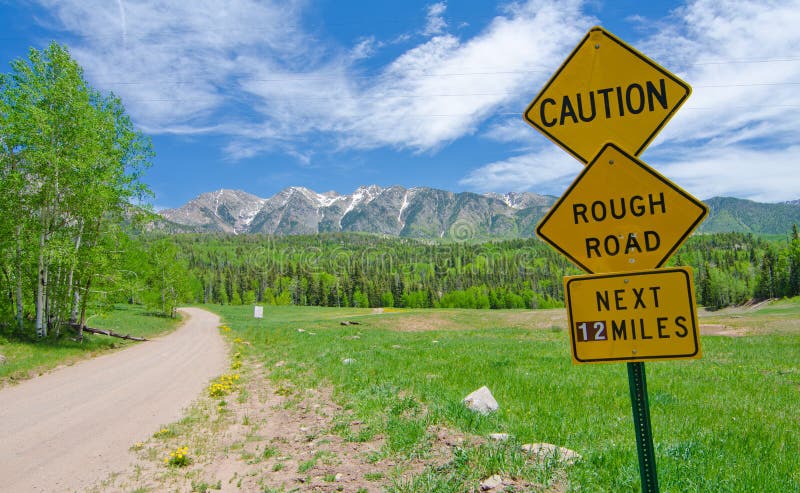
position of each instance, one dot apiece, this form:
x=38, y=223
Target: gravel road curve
x=66, y=430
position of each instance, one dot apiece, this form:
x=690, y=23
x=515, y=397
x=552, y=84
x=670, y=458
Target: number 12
x=597, y=331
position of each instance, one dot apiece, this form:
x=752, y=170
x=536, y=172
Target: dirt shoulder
x=254, y=439
x=276, y=437
x=64, y=430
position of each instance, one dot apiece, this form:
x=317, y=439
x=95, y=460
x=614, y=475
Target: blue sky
x=330, y=95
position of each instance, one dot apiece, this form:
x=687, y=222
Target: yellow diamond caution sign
x=620, y=215
x=633, y=316
x=606, y=91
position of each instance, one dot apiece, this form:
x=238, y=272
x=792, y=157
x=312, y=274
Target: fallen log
x=106, y=332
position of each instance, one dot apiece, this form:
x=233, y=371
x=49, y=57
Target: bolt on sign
x=606, y=91
x=620, y=215
x=632, y=316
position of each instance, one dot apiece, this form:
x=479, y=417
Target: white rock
x=348, y=361
x=543, y=451
x=498, y=437
x=481, y=401
x=491, y=483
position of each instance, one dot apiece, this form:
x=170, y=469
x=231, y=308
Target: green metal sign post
x=641, y=423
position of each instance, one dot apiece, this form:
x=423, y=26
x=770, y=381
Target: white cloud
x=436, y=23
x=435, y=92
x=732, y=170
x=512, y=130
x=737, y=134
x=174, y=64
x=247, y=69
x=548, y=171
x=739, y=171
x=365, y=48
x=741, y=59
x=444, y=88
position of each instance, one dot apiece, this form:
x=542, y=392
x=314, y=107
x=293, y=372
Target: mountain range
x=425, y=213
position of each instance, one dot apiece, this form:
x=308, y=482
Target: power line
x=324, y=78
x=448, y=74
x=519, y=113
x=746, y=60
x=451, y=95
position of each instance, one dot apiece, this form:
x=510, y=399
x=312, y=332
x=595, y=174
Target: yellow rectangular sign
x=633, y=316
x=606, y=91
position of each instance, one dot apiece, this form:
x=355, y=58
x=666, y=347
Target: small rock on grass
x=548, y=450
x=348, y=361
x=481, y=401
x=491, y=483
x=498, y=437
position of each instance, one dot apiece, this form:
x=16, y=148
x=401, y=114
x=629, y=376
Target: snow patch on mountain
x=362, y=195
x=403, y=207
x=512, y=199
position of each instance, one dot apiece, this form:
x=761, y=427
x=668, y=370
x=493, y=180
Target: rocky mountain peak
x=225, y=210
x=423, y=212
x=416, y=212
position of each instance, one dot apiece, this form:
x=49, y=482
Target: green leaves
x=70, y=161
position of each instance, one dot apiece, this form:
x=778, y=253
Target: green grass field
x=26, y=359
x=725, y=423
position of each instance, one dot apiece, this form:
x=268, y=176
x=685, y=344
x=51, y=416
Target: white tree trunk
x=41, y=286
x=71, y=290
x=76, y=303
x=20, y=304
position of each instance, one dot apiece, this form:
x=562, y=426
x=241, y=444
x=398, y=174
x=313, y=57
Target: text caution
x=606, y=91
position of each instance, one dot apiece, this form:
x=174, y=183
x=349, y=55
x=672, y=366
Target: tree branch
x=107, y=333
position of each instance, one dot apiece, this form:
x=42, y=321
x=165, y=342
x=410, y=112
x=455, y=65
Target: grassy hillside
x=745, y=216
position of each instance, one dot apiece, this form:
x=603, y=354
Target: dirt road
x=65, y=430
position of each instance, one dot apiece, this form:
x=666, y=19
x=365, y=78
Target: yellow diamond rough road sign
x=633, y=316
x=606, y=91
x=620, y=215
